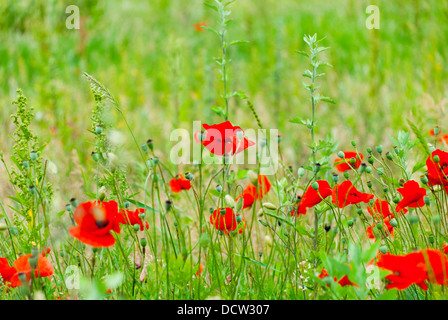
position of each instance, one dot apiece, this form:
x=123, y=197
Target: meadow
x=92, y=205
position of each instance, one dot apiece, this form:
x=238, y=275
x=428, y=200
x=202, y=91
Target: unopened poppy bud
x=136, y=227
x=22, y=277
x=143, y=242
x=95, y=156
x=222, y=211
x=239, y=204
x=126, y=204
x=427, y=200
x=413, y=219
x=229, y=201
x=102, y=193
x=315, y=185
x=401, y=182
x=268, y=240
x=327, y=227
x=379, y=225
x=385, y=189
x=253, y=177
x=279, y=138
x=176, y=224
x=424, y=179
x=150, y=144
x=353, y=143
x=335, y=178
x=32, y=189
x=431, y=239
x=369, y=184
x=33, y=155
x=155, y=177
x=98, y=129
x=379, y=149
x=168, y=205
x=68, y=207
x=362, y=167
x=211, y=210
x=317, y=167
x=341, y=154
x=238, y=218
x=142, y=215
x=371, y=202
x=26, y=164
x=269, y=206
x=358, y=210
x=219, y=188
x=389, y=155
x=144, y=147
x=369, y=169
x=352, y=161
x=383, y=249
x=369, y=150
x=396, y=200
x=221, y=233
x=189, y=176
x=345, y=174
x=301, y=172
x=155, y=160
x=436, y=159
x=370, y=160
x=263, y=223
x=436, y=130
x=350, y=222
x=393, y=222
x=74, y=203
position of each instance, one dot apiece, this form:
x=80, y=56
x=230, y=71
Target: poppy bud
x=369, y=150
x=150, y=144
x=74, y=203
x=436, y=159
x=175, y=224
x=98, y=129
x=155, y=177
x=350, y=222
x=362, y=167
x=345, y=174
x=238, y=218
x=68, y=207
x=222, y=211
x=317, y=167
x=354, y=143
x=22, y=277
x=379, y=225
x=401, y=182
x=427, y=200
x=369, y=169
x=253, y=177
x=211, y=210
x=155, y=160
x=380, y=171
x=33, y=190
x=239, y=204
x=26, y=164
x=143, y=242
x=126, y=204
x=219, y=188
x=102, y=193
x=396, y=200
x=269, y=206
x=385, y=189
x=379, y=149
x=301, y=172
x=315, y=185
x=263, y=223
x=370, y=159
x=383, y=249
x=95, y=156
x=424, y=179
x=168, y=205
x=189, y=176
x=371, y=202
x=389, y=155
x=221, y=233
x=352, y=161
x=268, y=240
x=144, y=147
x=335, y=178
x=33, y=155
x=141, y=215
x=369, y=184
x=359, y=211
x=431, y=239
x=279, y=138
x=230, y=201
x=393, y=222
x=136, y=227
x=341, y=154
x=436, y=130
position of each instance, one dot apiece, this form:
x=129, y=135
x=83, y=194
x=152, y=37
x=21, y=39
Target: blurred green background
x=162, y=70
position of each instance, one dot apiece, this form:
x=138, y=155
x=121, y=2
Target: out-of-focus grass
x=162, y=70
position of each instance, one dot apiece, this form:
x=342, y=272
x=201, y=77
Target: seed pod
x=229, y=201
x=269, y=206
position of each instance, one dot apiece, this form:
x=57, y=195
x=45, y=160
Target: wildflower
x=344, y=281
x=198, y=26
x=222, y=139
x=341, y=163
x=224, y=219
x=313, y=197
x=95, y=220
x=386, y=221
x=179, y=183
x=413, y=195
x=345, y=194
x=132, y=218
x=437, y=172
x=381, y=209
x=252, y=192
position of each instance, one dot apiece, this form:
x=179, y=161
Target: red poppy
x=179, y=183
x=343, y=281
x=390, y=229
x=241, y=226
x=414, y=268
x=345, y=194
x=344, y=164
x=438, y=172
x=200, y=270
x=252, y=193
x=198, y=26
x=313, y=197
x=95, y=220
x=445, y=248
x=412, y=195
x=22, y=265
x=381, y=209
x=224, y=222
x=132, y=217
x=222, y=139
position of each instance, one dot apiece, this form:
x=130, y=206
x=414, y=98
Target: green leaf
x=258, y=263
x=141, y=205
